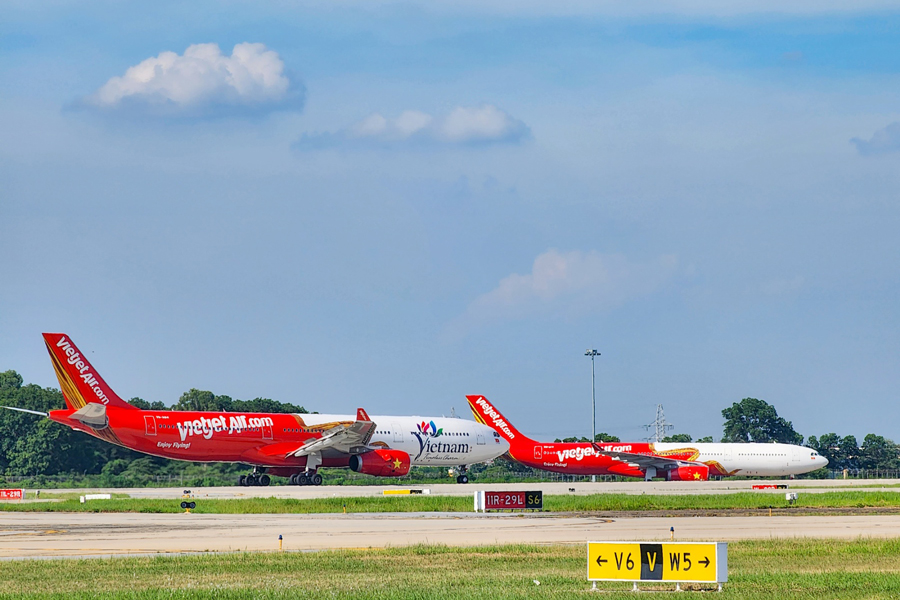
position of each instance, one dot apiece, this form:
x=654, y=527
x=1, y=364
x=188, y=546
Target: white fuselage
x=771, y=460
x=430, y=441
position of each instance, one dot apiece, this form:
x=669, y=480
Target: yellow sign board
x=658, y=561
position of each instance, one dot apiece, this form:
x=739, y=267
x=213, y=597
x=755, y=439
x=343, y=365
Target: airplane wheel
x=316, y=479
x=293, y=479
x=264, y=480
x=302, y=480
x=242, y=481
x=462, y=479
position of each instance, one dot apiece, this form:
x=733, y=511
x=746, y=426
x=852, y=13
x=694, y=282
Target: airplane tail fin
x=486, y=414
x=79, y=381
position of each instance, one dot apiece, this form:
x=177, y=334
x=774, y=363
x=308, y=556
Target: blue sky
x=392, y=205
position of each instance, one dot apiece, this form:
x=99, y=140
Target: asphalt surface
x=43, y=535
x=59, y=535
x=453, y=489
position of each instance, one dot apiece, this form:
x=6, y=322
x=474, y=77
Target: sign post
x=678, y=562
x=12, y=494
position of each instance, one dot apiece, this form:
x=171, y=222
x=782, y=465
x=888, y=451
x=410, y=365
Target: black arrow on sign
x=704, y=562
x=600, y=561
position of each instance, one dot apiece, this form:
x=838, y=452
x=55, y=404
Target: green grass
x=422, y=503
x=805, y=569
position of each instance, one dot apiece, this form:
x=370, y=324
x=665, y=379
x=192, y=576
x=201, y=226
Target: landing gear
x=462, y=477
x=254, y=479
x=305, y=479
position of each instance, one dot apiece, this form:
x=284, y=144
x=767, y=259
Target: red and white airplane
x=689, y=461
x=286, y=445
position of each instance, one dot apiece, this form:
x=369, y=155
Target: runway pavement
x=44, y=535
x=453, y=489
x=48, y=535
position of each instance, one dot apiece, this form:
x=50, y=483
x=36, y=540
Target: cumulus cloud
x=567, y=283
x=883, y=141
x=201, y=82
x=464, y=125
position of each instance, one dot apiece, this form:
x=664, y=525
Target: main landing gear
x=462, y=477
x=254, y=479
x=305, y=479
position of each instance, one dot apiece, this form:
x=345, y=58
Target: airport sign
x=510, y=500
x=685, y=562
x=12, y=494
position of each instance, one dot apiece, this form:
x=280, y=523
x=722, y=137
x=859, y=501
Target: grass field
x=422, y=503
x=765, y=570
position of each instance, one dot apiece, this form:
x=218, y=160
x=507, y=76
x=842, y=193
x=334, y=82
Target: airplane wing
x=25, y=410
x=350, y=439
x=642, y=461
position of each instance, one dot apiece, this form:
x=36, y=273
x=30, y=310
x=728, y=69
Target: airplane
x=681, y=461
x=285, y=445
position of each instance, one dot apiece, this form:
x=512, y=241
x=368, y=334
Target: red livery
x=690, y=461
x=286, y=445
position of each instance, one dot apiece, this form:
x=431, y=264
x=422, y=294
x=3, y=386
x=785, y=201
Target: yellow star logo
x=696, y=475
x=397, y=463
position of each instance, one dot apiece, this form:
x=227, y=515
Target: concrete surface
x=453, y=489
x=42, y=535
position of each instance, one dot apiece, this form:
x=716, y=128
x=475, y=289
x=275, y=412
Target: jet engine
x=688, y=473
x=381, y=462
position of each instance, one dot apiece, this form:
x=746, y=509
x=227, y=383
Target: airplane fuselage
x=676, y=461
x=723, y=459
x=264, y=439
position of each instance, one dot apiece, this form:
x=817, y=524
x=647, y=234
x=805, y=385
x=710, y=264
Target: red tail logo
x=490, y=416
x=79, y=381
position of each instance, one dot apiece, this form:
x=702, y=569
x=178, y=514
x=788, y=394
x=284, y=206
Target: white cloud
x=567, y=283
x=883, y=141
x=464, y=125
x=200, y=82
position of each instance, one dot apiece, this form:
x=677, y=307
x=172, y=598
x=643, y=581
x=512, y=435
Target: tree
x=144, y=405
x=266, y=405
x=705, y=440
x=753, y=420
x=195, y=399
x=848, y=455
x=10, y=380
x=680, y=438
x=829, y=446
x=601, y=437
x=877, y=452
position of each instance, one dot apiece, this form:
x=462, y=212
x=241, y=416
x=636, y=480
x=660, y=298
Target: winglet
x=361, y=415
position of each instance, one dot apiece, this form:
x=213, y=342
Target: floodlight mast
x=592, y=353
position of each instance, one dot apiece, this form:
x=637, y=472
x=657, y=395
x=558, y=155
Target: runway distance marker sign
x=686, y=562
x=513, y=500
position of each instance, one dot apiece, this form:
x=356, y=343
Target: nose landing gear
x=463, y=476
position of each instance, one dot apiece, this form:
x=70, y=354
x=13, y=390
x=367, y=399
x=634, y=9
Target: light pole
x=592, y=353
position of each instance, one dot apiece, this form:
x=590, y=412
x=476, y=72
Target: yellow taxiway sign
x=658, y=561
